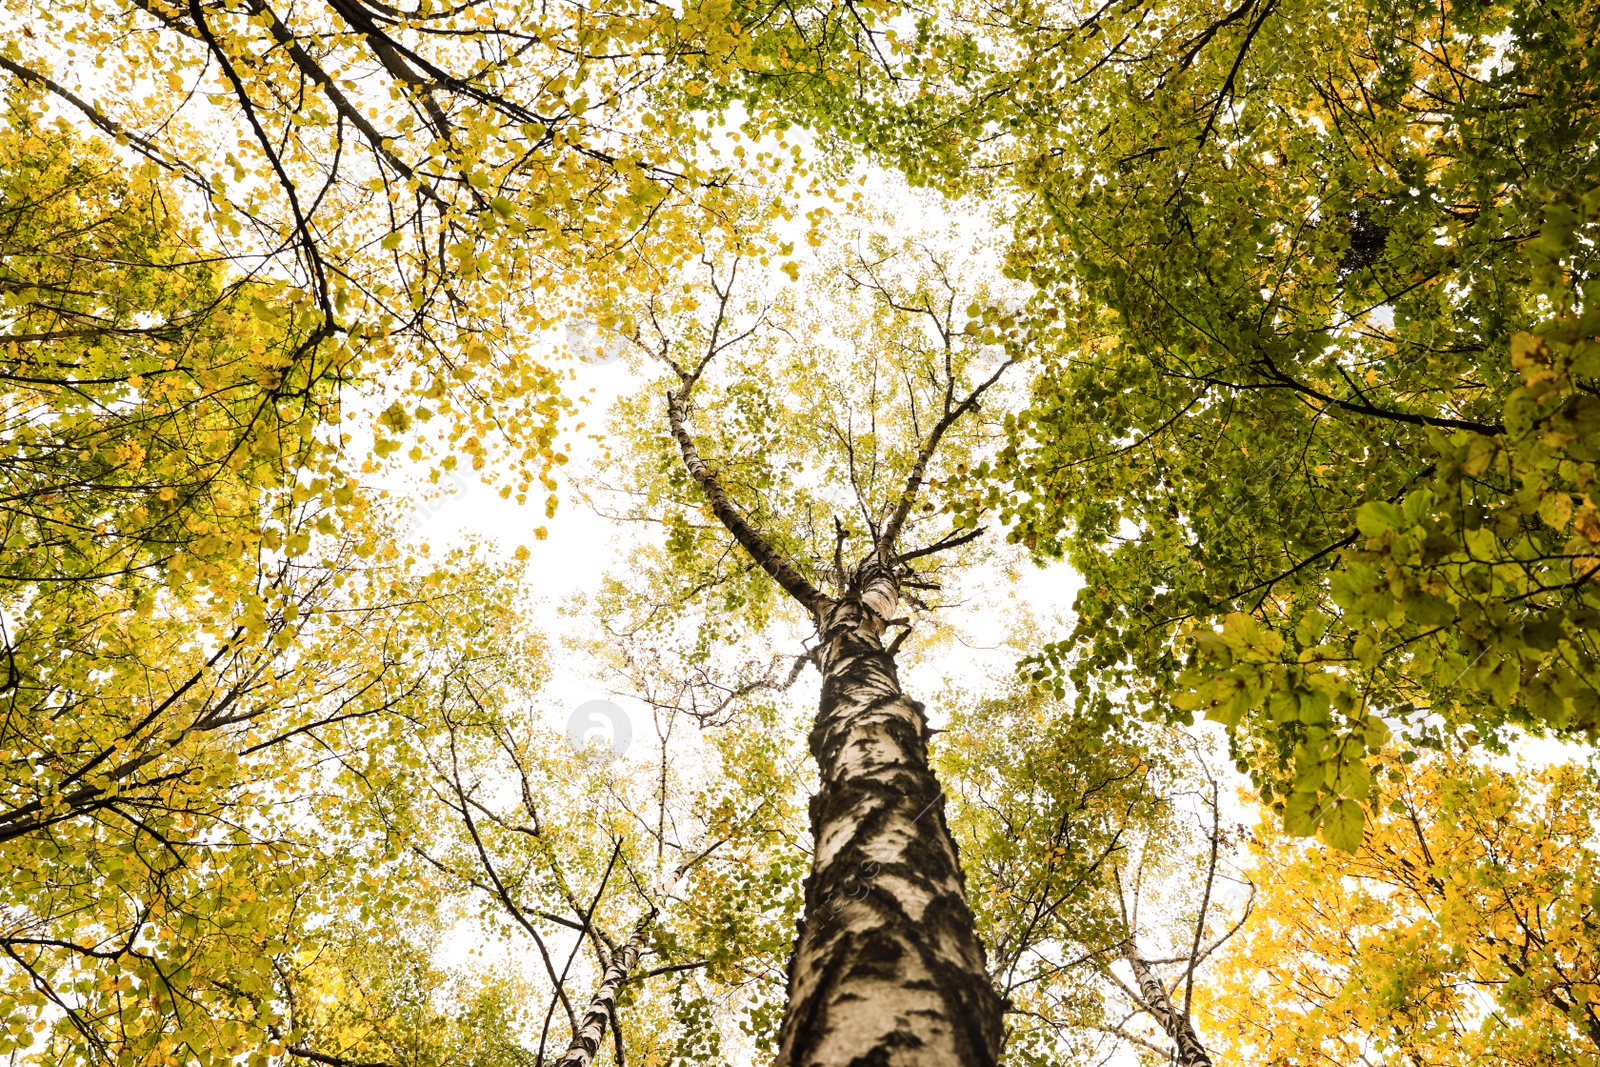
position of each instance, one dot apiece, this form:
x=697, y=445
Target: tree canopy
x=1262, y=332
x=1316, y=398
x=1343, y=419
x=1461, y=932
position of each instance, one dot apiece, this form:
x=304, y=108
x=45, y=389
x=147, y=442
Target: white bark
x=603, y=1005
x=1191, y=1053
x=888, y=968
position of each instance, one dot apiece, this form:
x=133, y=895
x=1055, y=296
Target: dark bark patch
x=877, y=957
x=887, y=904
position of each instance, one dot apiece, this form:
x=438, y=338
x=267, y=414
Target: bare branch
x=949, y=541
x=332, y=1061
x=1205, y=899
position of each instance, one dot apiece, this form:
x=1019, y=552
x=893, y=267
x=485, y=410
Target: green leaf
x=1353, y=779
x=1313, y=710
x=1300, y=814
x=1556, y=510
x=1480, y=453
x=1378, y=516
x=1376, y=732
x=1342, y=825
x=1231, y=709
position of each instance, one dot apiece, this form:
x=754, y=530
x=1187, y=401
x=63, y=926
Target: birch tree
x=804, y=447
x=639, y=904
x=1100, y=870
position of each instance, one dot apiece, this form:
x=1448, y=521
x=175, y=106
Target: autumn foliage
x=1266, y=328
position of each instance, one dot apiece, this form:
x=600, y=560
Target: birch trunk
x=603, y=1005
x=888, y=968
x=1191, y=1053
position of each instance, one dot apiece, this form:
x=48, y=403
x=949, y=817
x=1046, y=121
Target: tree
x=154, y=908
x=644, y=903
x=429, y=191
x=1317, y=388
x=1096, y=862
x=216, y=654
x=168, y=467
x=210, y=636
x=158, y=413
x=835, y=445
x=375, y=993
x=1150, y=994
x=1463, y=931
x=1343, y=406
x=444, y=181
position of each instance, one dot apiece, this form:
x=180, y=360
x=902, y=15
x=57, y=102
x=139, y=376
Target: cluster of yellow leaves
x=1466, y=930
x=447, y=183
x=215, y=659
x=150, y=406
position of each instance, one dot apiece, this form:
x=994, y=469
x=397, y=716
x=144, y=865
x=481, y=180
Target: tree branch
x=106, y=123
x=332, y=1061
x=1487, y=429
x=767, y=558
x=891, y=529
x=949, y=541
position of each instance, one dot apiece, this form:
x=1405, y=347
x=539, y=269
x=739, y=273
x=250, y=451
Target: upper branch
x=919, y=469
x=948, y=541
x=322, y=1057
x=302, y=228
x=145, y=146
x=1487, y=429
x=768, y=558
x=309, y=67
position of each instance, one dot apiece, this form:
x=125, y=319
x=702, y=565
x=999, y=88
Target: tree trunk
x=1191, y=1053
x=597, y=1020
x=888, y=968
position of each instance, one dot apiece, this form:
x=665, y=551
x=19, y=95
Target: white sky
x=583, y=546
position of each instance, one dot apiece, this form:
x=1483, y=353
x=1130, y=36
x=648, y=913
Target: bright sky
x=583, y=546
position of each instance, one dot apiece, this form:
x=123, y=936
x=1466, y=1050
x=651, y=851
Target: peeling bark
x=603, y=1005
x=1191, y=1053
x=888, y=968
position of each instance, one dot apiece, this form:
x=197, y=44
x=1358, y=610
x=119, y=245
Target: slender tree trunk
x=888, y=968
x=1191, y=1053
x=603, y=1006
